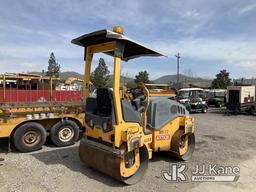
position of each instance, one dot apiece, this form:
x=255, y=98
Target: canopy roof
x=132, y=49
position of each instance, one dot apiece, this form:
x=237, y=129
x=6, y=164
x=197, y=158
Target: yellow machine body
x=123, y=151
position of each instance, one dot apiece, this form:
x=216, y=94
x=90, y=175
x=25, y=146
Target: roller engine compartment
x=162, y=111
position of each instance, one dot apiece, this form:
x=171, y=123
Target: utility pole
x=178, y=67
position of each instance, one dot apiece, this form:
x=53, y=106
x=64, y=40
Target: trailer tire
x=252, y=110
x=64, y=133
x=29, y=137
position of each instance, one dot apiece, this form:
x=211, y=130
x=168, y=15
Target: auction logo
x=201, y=173
x=176, y=173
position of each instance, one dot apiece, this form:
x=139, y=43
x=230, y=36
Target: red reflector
x=7, y=112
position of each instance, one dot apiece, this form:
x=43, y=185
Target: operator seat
x=104, y=101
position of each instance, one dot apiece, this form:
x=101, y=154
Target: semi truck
x=241, y=99
x=31, y=109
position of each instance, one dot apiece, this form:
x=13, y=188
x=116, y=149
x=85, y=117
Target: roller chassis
x=122, y=131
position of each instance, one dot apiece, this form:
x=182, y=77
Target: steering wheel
x=139, y=100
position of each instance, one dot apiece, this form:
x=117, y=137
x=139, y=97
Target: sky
x=209, y=35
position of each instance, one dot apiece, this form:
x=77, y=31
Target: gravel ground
x=220, y=139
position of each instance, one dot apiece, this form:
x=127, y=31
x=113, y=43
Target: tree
x=222, y=80
x=53, y=67
x=131, y=84
x=142, y=77
x=100, y=76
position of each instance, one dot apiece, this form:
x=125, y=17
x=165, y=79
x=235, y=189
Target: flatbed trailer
x=26, y=125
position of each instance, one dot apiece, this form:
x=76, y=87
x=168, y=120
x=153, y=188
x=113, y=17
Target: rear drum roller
x=183, y=145
x=117, y=163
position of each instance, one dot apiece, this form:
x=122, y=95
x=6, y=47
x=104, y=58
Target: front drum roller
x=182, y=145
x=117, y=163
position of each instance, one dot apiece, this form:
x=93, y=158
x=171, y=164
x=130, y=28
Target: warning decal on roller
x=162, y=137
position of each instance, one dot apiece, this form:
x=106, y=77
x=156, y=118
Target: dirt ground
x=220, y=139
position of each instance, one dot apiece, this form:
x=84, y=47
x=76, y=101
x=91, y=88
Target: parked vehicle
x=31, y=109
x=124, y=128
x=194, y=99
x=241, y=99
x=216, y=97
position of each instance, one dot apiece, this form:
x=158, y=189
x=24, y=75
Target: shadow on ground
x=3, y=145
x=69, y=157
x=223, y=111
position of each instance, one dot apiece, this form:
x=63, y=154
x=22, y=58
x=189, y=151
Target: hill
x=173, y=78
x=65, y=75
x=164, y=79
x=123, y=79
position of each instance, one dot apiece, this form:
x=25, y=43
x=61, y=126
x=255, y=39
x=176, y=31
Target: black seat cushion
x=104, y=101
